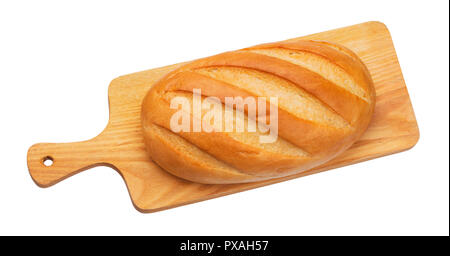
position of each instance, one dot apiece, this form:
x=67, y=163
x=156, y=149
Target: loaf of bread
x=324, y=102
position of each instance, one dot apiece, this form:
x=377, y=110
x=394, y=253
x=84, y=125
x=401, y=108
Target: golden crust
x=220, y=157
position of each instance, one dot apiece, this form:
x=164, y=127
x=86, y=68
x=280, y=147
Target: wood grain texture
x=121, y=146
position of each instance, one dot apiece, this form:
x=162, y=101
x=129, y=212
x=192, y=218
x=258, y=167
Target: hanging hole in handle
x=47, y=161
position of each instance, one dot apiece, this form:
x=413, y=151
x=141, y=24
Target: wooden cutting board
x=121, y=145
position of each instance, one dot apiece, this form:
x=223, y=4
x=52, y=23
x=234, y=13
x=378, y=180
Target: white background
x=57, y=59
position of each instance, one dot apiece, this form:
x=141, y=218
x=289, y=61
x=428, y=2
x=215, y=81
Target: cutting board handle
x=49, y=163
